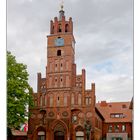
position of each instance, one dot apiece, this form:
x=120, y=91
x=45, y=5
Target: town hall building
x=63, y=108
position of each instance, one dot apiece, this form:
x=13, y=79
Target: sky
x=103, y=31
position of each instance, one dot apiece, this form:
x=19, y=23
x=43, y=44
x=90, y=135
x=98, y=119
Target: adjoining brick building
x=64, y=109
x=118, y=120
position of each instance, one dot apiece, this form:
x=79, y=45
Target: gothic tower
x=63, y=108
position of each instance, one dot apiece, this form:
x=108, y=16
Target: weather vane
x=61, y=4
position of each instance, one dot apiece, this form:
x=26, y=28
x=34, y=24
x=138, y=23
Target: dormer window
x=117, y=115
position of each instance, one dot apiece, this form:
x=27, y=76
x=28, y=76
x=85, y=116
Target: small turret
x=61, y=13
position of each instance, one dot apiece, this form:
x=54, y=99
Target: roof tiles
x=116, y=108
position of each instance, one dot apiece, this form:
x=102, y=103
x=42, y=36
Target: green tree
x=18, y=93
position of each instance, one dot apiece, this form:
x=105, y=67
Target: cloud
x=104, y=40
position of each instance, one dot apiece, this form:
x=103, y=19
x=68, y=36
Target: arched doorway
x=59, y=135
x=59, y=132
x=41, y=135
x=79, y=133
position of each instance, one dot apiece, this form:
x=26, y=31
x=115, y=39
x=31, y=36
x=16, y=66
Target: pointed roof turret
x=61, y=12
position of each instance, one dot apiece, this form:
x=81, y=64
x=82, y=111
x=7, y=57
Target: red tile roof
x=106, y=109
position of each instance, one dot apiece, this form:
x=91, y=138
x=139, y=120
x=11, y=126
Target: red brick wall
x=128, y=128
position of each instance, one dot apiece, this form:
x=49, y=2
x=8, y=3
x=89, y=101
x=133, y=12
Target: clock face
x=59, y=42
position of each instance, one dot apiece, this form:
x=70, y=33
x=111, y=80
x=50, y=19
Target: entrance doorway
x=59, y=135
x=79, y=135
x=41, y=135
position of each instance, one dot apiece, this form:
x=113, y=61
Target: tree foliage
x=18, y=92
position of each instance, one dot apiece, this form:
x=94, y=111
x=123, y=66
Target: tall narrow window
x=58, y=101
x=67, y=65
x=110, y=128
x=72, y=99
x=45, y=100
x=89, y=101
x=59, y=28
x=79, y=99
x=51, y=100
x=53, y=30
x=65, y=100
x=59, y=53
x=123, y=128
x=116, y=128
x=61, y=65
x=61, y=81
x=50, y=81
x=86, y=101
x=56, y=67
x=40, y=100
x=67, y=81
x=66, y=28
x=35, y=102
x=50, y=67
x=55, y=82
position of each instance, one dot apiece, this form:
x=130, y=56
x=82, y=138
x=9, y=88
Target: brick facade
x=62, y=104
x=63, y=108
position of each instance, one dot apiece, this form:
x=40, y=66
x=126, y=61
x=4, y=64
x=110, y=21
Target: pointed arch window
x=72, y=99
x=41, y=101
x=66, y=28
x=51, y=100
x=59, y=28
x=65, y=100
x=79, y=99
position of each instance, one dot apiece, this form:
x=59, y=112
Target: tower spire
x=61, y=12
x=62, y=5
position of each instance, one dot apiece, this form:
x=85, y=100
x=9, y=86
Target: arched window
x=59, y=28
x=59, y=53
x=66, y=28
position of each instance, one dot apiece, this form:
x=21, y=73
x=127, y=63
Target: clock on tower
x=59, y=41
